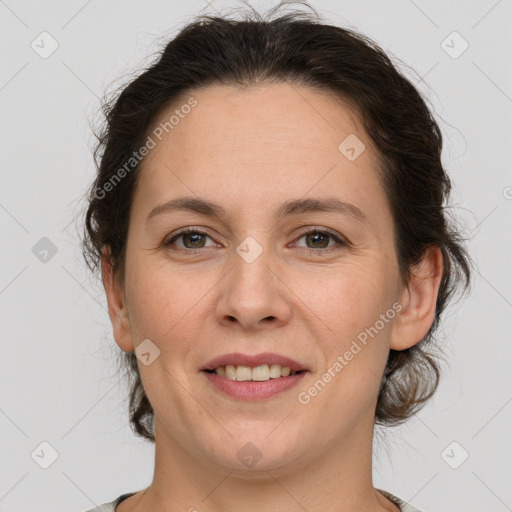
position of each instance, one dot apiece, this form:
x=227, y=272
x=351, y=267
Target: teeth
x=258, y=373
x=221, y=370
x=243, y=373
x=275, y=371
x=230, y=371
x=285, y=371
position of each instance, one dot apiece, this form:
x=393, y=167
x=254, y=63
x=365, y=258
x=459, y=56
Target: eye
x=192, y=239
x=319, y=239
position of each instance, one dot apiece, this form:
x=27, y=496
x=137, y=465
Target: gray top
x=111, y=507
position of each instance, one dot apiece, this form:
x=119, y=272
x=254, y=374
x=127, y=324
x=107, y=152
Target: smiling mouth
x=253, y=383
x=259, y=373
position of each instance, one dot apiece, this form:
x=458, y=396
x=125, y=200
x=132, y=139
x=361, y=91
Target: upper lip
x=269, y=358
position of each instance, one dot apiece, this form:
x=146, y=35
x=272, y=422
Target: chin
x=251, y=453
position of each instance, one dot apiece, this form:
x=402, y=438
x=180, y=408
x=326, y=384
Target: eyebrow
x=292, y=207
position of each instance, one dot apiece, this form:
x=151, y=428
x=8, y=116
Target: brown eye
x=318, y=239
x=191, y=239
x=196, y=240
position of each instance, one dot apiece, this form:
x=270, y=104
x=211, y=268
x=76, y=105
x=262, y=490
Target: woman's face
x=255, y=283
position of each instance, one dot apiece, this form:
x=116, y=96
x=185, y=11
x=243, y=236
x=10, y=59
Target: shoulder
x=106, y=507
x=111, y=506
x=404, y=506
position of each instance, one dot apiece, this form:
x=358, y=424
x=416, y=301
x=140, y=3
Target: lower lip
x=252, y=390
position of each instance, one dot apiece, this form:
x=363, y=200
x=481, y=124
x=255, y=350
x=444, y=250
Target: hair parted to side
x=293, y=47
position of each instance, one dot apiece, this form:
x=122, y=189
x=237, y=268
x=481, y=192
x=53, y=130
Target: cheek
x=162, y=301
x=348, y=296
x=356, y=347
x=354, y=309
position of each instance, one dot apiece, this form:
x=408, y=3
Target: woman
x=269, y=220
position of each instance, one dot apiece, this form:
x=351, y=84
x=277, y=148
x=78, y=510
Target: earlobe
x=419, y=299
x=117, y=310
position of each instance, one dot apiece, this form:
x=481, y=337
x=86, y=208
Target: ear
x=117, y=309
x=418, y=301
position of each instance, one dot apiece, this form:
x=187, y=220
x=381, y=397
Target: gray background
x=58, y=377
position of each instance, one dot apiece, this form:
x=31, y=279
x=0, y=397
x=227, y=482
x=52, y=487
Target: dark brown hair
x=297, y=48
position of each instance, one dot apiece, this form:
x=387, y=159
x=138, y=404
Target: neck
x=338, y=480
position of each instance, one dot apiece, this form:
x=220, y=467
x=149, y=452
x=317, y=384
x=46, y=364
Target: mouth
x=253, y=390
x=260, y=373
x=253, y=377
x=264, y=366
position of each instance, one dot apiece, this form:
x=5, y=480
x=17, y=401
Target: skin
x=251, y=150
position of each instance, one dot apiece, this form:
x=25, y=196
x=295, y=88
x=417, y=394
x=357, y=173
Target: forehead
x=270, y=123
x=261, y=143
x=262, y=119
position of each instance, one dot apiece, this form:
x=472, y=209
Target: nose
x=254, y=295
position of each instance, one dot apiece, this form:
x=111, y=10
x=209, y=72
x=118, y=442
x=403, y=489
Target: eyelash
x=340, y=242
